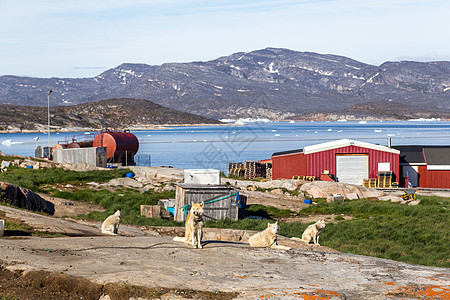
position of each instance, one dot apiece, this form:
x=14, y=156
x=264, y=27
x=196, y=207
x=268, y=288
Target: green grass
x=128, y=201
x=268, y=212
x=417, y=234
x=7, y=297
x=285, y=191
x=35, y=179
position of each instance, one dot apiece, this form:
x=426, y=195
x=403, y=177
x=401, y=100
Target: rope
x=215, y=200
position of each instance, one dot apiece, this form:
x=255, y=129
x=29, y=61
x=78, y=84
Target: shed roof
x=196, y=186
x=288, y=152
x=437, y=158
x=345, y=143
x=411, y=154
x=430, y=155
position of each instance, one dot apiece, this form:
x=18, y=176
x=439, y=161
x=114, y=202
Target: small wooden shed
x=221, y=201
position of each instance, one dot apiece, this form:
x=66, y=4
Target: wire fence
x=143, y=160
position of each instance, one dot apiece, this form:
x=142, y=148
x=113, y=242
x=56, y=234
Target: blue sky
x=82, y=38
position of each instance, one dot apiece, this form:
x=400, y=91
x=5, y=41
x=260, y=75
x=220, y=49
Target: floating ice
x=10, y=142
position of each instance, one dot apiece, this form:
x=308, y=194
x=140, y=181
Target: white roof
x=346, y=143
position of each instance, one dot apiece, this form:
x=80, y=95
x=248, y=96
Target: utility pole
x=48, y=117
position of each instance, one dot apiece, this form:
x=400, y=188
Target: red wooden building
x=347, y=160
x=425, y=166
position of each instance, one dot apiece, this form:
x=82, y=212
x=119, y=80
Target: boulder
x=392, y=198
x=126, y=182
x=24, y=198
x=169, y=187
x=277, y=192
x=289, y=184
x=323, y=189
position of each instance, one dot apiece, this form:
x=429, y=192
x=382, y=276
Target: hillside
x=109, y=113
x=273, y=83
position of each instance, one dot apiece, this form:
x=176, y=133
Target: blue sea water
x=215, y=146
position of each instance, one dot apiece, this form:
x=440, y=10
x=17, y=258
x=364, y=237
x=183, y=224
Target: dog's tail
x=297, y=239
x=179, y=239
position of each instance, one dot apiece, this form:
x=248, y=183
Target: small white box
x=202, y=176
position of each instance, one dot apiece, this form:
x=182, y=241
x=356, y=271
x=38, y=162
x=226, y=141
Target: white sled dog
x=267, y=238
x=312, y=232
x=194, y=225
x=111, y=224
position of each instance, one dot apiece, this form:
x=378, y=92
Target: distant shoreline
x=81, y=129
x=43, y=129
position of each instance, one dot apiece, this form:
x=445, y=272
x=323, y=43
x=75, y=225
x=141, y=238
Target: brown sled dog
x=194, y=225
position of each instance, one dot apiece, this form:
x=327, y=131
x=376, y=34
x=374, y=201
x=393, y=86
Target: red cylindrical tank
x=59, y=146
x=79, y=144
x=117, y=144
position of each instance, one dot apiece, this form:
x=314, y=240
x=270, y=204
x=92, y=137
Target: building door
x=352, y=168
x=411, y=173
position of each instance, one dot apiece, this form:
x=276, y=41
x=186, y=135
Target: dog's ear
x=202, y=203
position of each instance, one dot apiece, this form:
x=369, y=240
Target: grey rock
x=24, y=198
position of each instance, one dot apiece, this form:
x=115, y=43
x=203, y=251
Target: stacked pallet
x=236, y=169
x=254, y=169
x=372, y=182
x=384, y=179
x=250, y=169
x=268, y=170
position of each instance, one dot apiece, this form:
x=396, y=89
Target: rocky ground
x=145, y=263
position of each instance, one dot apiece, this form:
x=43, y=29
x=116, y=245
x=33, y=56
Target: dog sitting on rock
x=267, y=238
x=312, y=232
x=111, y=224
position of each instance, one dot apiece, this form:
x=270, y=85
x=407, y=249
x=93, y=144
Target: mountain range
x=272, y=83
x=120, y=113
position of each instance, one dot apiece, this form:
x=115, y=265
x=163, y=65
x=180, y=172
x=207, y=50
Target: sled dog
x=111, y=224
x=267, y=238
x=194, y=224
x=312, y=232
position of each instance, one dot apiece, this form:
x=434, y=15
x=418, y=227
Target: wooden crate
x=373, y=182
x=384, y=179
x=226, y=207
x=365, y=183
x=151, y=211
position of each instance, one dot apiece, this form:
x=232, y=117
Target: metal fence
x=143, y=160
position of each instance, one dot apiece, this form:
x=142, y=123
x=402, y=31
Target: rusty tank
x=121, y=146
x=80, y=144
